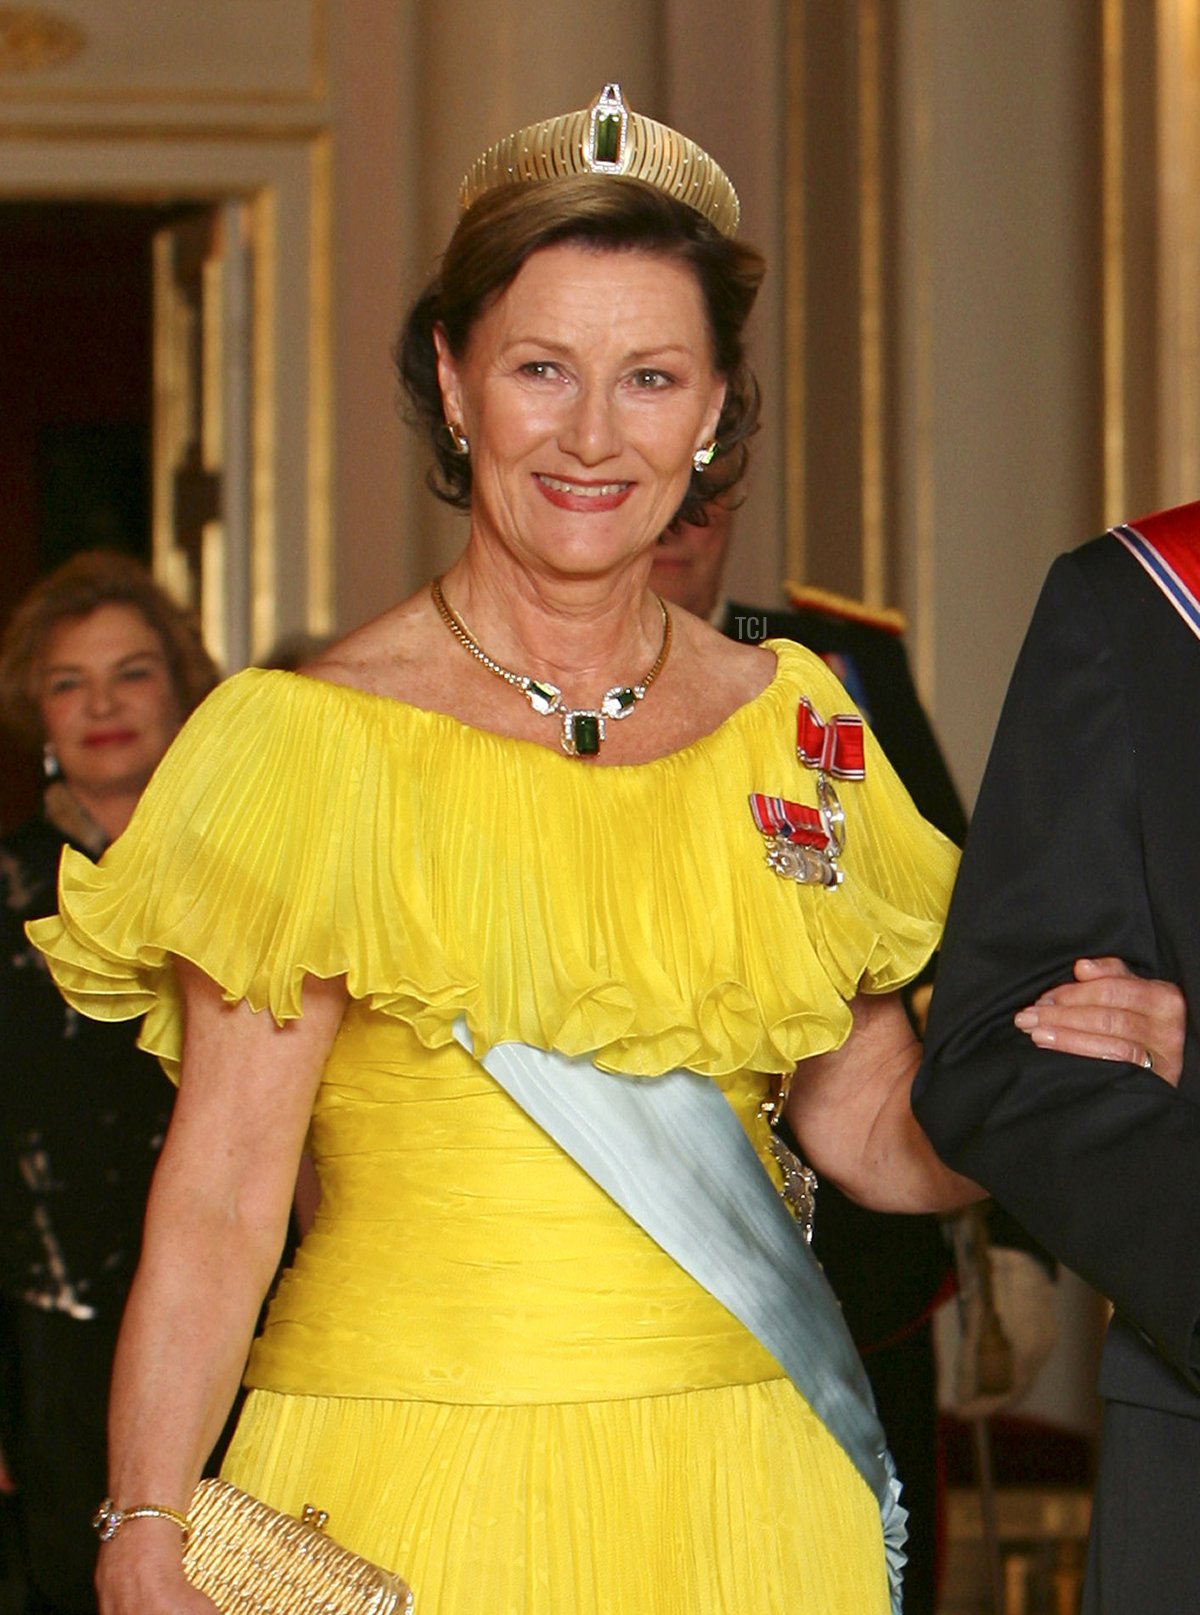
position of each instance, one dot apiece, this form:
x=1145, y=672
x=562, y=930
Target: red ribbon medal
x=793, y=821
x=835, y=747
x=804, y=843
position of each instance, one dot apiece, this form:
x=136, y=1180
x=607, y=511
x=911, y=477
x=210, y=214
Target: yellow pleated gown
x=491, y=1378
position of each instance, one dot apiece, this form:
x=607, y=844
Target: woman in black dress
x=98, y=669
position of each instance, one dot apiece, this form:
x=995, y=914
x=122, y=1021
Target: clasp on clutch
x=318, y=1518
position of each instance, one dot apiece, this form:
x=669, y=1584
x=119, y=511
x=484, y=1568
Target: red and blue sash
x=1167, y=545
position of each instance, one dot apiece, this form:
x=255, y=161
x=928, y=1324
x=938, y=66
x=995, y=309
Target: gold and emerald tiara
x=608, y=137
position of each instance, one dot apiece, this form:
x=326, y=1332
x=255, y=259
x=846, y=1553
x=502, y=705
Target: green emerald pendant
x=582, y=733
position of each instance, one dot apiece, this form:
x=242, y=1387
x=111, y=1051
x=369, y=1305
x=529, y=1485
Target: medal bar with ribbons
x=804, y=843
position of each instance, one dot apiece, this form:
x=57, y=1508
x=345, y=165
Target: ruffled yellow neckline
x=625, y=912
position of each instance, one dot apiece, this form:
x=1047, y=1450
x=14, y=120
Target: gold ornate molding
x=1179, y=248
x=32, y=40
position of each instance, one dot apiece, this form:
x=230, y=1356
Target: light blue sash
x=672, y=1154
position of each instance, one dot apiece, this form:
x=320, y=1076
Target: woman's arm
x=850, y=1108
x=850, y=1111
x=215, y=1225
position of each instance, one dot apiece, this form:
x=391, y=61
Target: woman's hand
x=140, y=1572
x=1108, y=1013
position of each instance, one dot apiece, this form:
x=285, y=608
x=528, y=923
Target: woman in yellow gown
x=490, y=1376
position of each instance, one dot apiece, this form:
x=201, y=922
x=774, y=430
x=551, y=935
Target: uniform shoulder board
x=805, y=597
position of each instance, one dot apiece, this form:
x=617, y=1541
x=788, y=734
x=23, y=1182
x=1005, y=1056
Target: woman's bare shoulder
x=740, y=670
x=392, y=655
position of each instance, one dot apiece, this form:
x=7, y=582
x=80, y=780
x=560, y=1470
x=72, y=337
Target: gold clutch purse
x=252, y=1560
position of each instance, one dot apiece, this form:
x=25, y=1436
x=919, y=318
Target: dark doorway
x=76, y=351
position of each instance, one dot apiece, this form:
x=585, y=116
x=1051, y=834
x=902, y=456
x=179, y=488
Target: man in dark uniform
x=1085, y=840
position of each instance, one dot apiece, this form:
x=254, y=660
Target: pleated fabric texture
x=621, y=912
x=724, y=1502
x=494, y=1381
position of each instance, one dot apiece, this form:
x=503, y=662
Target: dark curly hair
x=87, y=581
x=507, y=226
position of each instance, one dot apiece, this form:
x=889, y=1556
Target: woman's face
x=106, y=699
x=585, y=390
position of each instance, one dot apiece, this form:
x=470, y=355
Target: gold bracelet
x=108, y=1518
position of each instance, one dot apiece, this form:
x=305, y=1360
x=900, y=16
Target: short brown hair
x=87, y=581
x=507, y=226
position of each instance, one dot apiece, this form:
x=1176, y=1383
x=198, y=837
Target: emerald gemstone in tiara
x=608, y=120
x=608, y=137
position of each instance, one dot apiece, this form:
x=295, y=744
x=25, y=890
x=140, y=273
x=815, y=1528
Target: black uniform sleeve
x=1100, y=1161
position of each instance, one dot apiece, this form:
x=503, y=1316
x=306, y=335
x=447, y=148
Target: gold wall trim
x=263, y=532
x=73, y=95
x=321, y=604
x=168, y=562
x=318, y=66
x=1112, y=27
x=870, y=313
x=924, y=466
x=1179, y=246
x=794, y=292
x=34, y=41
x=213, y=134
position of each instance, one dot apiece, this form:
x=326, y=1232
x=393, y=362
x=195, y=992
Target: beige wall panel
x=724, y=86
x=380, y=501
x=1000, y=298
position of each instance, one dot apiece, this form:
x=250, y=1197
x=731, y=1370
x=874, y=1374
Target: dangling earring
x=50, y=763
x=704, y=456
x=456, y=439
